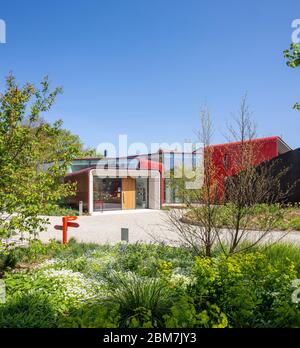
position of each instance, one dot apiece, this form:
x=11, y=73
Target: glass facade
x=168, y=163
x=172, y=191
x=107, y=194
x=141, y=192
x=105, y=163
x=176, y=165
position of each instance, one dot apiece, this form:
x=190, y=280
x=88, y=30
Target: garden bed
x=288, y=219
x=57, y=210
x=148, y=285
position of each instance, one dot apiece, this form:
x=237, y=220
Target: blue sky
x=146, y=67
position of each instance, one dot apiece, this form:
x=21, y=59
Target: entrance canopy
x=105, y=187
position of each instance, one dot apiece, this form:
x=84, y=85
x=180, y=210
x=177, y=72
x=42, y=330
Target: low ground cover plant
x=149, y=285
x=58, y=210
x=287, y=217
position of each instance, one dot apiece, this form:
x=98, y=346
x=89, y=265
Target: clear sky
x=146, y=67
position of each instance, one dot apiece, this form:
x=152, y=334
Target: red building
x=226, y=157
x=106, y=183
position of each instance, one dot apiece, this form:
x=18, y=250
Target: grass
x=278, y=253
x=133, y=292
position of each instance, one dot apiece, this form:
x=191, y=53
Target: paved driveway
x=143, y=225
x=106, y=227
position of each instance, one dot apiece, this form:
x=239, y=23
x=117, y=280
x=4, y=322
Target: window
x=172, y=191
x=194, y=160
x=107, y=193
x=172, y=161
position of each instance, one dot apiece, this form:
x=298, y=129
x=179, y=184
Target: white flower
x=181, y=280
x=47, y=263
x=74, y=285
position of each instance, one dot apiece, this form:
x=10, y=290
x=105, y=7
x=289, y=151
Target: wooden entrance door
x=128, y=193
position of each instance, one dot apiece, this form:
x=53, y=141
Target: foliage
x=91, y=286
x=28, y=311
x=200, y=239
x=8, y=260
x=37, y=251
x=142, y=301
x=233, y=178
x=292, y=56
x=58, y=210
x=26, y=142
x=283, y=218
x=54, y=147
x=249, y=289
x=184, y=315
x=278, y=254
x=92, y=315
x=148, y=260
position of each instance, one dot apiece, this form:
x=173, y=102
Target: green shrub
x=58, y=210
x=29, y=311
x=75, y=249
x=248, y=288
x=184, y=315
x=60, y=290
x=37, y=251
x=278, y=254
x=145, y=259
x=259, y=216
x=141, y=300
x=92, y=315
x=294, y=223
x=8, y=259
x=142, y=285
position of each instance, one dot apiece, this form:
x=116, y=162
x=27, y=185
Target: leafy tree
x=239, y=187
x=54, y=146
x=26, y=142
x=293, y=61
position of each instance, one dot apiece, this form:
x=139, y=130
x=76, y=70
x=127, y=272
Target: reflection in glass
x=107, y=194
x=141, y=193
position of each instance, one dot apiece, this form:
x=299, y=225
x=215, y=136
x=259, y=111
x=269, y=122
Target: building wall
x=288, y=164
x=81, y=179
x=84, y=182
x=154, y=193
x=226, y=157
x=264, y=149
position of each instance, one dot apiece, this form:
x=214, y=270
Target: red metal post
x=65, y=230
x=66, y=222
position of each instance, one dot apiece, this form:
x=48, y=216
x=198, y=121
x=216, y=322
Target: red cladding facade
x=225, y=157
